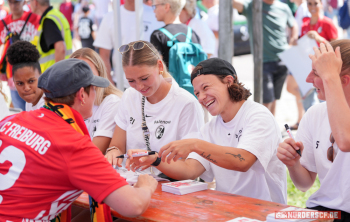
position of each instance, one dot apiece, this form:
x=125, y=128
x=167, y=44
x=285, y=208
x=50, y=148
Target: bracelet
x=157, y=162
x=111, y=148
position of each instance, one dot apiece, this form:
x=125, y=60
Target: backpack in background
x=344, y=18
x=183, y=57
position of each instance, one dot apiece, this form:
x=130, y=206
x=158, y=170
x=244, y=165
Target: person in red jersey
x=318, y=26
x=67, y=9
x=47, y=158
x=15, y=23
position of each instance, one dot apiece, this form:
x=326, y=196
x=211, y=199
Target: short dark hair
x=23, y=54
x=86, y=9
x=68, y=100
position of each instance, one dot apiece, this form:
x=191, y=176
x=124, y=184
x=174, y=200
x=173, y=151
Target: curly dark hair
x=23, y=54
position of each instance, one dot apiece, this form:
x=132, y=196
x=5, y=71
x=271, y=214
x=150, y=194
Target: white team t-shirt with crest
x=255, y=130
x=101, y=123
x=177, y=115
x=314, y=132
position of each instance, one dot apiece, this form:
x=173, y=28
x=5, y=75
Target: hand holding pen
x=289, y=151
x=139, y=159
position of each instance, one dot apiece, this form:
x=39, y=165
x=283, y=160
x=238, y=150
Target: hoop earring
x=82, y=103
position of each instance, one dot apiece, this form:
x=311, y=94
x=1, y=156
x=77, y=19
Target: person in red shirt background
x=67, y=9
x=318, y=26
x=15, y=22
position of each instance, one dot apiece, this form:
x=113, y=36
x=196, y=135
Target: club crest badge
x=160, y=132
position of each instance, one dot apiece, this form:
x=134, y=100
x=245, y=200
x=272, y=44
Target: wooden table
x=208, y=205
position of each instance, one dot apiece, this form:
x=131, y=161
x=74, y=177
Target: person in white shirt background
x=238, y=146
x=323, y=134
x=105, y=34
x=212, y=19
x=24, y=58
x=101, y=124
x=101, y=7
x=206, y=35
x=169, y=112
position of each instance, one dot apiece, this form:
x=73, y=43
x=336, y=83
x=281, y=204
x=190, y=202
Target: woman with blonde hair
x=154, y=110
x=101, y=125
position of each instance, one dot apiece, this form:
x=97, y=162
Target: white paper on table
x=298, y=62
x=132, y=177
x=244, y=219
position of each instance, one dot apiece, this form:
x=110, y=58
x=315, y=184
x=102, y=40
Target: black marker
x=138, y=154
x=291, y=136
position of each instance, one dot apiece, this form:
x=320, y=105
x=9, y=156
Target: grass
x=296, y=197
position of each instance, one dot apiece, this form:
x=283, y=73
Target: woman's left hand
x=178, y=149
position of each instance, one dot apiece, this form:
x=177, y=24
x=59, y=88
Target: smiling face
x=314, y=6
x=317, y=83
x=26, y=82
x=143, y=78
x=212, y=93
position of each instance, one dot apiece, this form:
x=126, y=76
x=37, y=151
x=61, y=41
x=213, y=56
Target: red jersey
x=45, y=164
x=67, y=10
x=29, y=31
x=324, y=27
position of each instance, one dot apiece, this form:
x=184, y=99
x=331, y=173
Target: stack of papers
x=287, y=213
x=132, y=177
x=184, y=187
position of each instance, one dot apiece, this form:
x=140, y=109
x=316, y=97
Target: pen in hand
x=146, y=153
x=291, y=136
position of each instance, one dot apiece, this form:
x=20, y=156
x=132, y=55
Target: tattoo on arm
x=208, y=157
x=237, y=156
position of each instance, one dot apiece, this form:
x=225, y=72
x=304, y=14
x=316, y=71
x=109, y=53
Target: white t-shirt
x=4, y=110
x=177, y=115
x=213, y=22
x=206, y=36
x=101, y=7
x=30, y=107
x=253, y=129
x=101, y=123
x=301, y=13
x=314, y=132
x=105, y=34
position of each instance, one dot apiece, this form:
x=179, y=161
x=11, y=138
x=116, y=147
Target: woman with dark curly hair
x=24, y=58
x=237, y=147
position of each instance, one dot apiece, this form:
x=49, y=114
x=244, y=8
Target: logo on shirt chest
x=317, y=142
x=132, y=120
x=160, y=131
x=239, y=134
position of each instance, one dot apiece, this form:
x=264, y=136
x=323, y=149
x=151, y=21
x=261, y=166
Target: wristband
x=157, y=162
x=111, y=148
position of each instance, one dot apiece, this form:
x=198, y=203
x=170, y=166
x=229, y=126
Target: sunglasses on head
x=136, y=46
x=331, y=151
